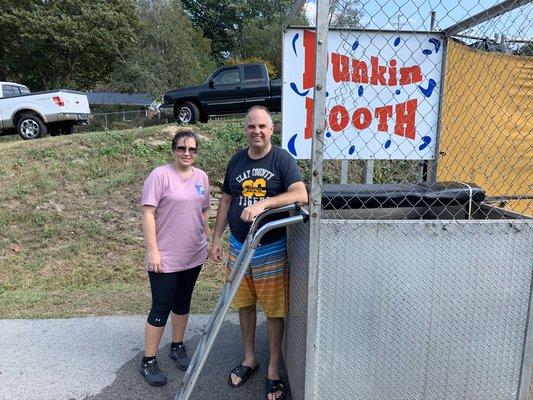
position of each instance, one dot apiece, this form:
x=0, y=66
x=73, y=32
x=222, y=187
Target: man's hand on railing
x=251, y=212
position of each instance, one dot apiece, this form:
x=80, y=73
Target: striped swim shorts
x=267, y=280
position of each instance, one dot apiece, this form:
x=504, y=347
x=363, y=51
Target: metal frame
x=527, y=356
x=369, y=171
x=366, y=30
x=292, y=14
x=493, y=12
x=431, y=175
x=315, y=206
x=230, y=289
x=344, y=171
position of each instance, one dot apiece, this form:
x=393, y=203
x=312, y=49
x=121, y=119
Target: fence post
x=369, y=171
x=344, y=171
x=315, y=206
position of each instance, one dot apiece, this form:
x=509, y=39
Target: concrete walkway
x=98, y=358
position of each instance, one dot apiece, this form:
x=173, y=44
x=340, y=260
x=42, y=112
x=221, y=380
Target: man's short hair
x=254, y=108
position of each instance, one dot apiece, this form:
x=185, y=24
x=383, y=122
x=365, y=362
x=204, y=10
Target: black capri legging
x=171, y=292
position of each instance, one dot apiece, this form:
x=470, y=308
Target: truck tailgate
x=75, y=102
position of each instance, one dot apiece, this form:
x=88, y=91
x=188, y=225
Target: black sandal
x=274, y=386
x=242, y=371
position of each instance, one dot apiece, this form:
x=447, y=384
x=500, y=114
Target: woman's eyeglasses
x=183, y=149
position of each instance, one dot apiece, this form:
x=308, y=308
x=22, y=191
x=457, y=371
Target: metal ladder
x=230, y=288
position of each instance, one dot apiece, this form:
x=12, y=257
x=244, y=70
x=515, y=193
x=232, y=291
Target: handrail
x=273, y=225
x=271, y=211
x=230, y=288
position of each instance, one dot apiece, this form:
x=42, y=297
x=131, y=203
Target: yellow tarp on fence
x=487, y=129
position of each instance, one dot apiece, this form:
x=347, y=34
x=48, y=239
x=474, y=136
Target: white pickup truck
x=33, y=115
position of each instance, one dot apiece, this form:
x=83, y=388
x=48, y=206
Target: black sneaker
x=152, y=374
x=180, y=355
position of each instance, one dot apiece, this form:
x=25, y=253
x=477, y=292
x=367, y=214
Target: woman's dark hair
x=185, y=133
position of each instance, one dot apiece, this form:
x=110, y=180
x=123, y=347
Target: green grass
x=71, y=242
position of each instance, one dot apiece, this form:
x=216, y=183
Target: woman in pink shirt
x=175, y=208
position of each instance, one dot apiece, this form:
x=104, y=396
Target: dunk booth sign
x=382, y=94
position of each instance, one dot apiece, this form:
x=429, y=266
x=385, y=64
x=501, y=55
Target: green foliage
x=72, y=244
x=170, y=52
x=241, y=28
x=64, y=43
x=344, y=13
x=263, y=41
x=219, y=20
x=227, y=138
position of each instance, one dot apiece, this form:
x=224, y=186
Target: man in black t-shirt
x=259, y=177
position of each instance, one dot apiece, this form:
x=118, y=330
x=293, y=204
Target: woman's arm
x=205, y=215
x=154, y=259
x=222, y=221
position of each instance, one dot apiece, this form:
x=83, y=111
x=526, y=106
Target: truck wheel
x=30, y=126
x=187, y=113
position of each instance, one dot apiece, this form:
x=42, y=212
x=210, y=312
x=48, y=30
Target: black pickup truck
x=231, y=89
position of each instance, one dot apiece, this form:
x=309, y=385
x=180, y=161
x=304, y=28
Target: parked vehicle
x=231, y=89
x=33, y=115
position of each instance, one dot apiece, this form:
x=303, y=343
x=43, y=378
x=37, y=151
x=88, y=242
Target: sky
x=415, y=15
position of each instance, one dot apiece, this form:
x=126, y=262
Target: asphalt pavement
x=98, y=358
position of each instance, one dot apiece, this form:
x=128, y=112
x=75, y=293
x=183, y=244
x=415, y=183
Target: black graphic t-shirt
x=249, y=181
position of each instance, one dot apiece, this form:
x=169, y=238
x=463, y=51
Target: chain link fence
x=122, y=120
x=412, y=121
x=419, y=92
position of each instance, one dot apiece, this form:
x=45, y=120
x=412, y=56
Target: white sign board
x=382, y=94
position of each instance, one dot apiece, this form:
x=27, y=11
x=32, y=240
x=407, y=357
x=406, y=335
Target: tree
x=64, y=43
x=232, y=24
x=344, y=13
x=219, y=20
x=263, y=42
x=170, y=52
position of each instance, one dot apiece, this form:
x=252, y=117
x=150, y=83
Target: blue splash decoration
x=426, y=140
x=290, y=145
x=429, y=90
x=351, y=150
x=436, y=47
x=355, y=45
x=360, y=90
x=398, y=91
x=327, y=94
x=293, y=87
x=436, y=43
x=388, y=143
x=328, y=134
x=397, y=41
x=294, y=39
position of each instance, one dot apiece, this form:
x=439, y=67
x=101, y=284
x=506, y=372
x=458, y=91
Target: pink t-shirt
x=180, y=231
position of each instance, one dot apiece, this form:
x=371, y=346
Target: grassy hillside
x=70, y=227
